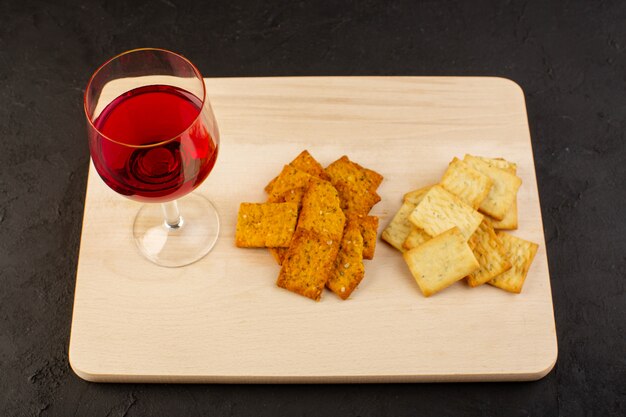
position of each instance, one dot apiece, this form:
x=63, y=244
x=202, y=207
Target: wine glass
x=153, y=138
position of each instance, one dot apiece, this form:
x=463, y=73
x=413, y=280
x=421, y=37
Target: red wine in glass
x=166, y=158
x=153, y=137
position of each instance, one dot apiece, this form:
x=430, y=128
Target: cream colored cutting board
x=223, y=319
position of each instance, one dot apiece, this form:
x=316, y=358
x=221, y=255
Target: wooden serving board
x=223, y=319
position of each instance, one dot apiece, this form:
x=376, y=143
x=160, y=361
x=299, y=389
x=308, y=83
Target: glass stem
x=172, y=215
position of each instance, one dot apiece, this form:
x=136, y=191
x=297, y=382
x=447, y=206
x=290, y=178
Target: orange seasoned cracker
x=265, y=224
x=306, y=163
x=354, y=200
x=289, y=178
x=321, y=212
x=311, y=255
x=278, y=254
x=356, y=185
x=368, y=226
x=349, y=270
x=352, y=173
x=374, y=177
x=308, y=263
x=292, y=196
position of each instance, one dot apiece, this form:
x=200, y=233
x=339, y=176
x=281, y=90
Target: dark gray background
x=569, y=57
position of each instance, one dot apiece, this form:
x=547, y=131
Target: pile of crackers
x=454, y=229
x=316, y=224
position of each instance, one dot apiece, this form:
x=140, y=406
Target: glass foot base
x=177, y=246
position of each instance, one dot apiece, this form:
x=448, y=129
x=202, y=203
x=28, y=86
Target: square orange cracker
x=321, y=212
x=374, y=177
x=466, y=183
x=369, y=230
x=521, y=254
x=350, y=172
x=308, y=263
x=292, y=196
x=265, y=224
x=441, y=210
x=278, y=254
x=349, y=270
x=440, y=262
x=305, y=163
x=489, y=252
x=355, y=200
x=290, y=178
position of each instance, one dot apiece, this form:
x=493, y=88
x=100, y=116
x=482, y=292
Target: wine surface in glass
x=159, y=147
